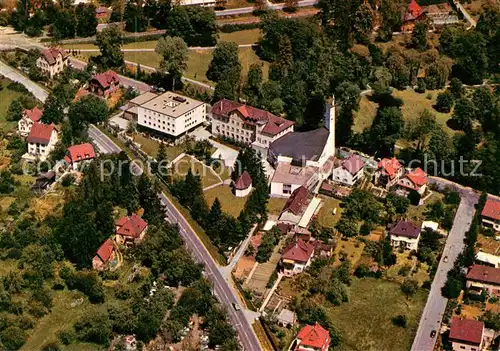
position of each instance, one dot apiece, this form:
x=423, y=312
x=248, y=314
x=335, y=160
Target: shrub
x=52, y=346
x=399, y=320
x=13, y=338
x=66, y=336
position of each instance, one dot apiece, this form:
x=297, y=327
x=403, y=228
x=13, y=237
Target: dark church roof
x=301, y=146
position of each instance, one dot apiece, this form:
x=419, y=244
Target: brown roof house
x=414, y=13
x=130, y=230
x=388, y=172
x=41, y=141
x=311, y=338
x=104, y=84
x=297, y=257
x=481, y=278
x=491, y=214
x=52, y=61
x=243, y=185
x=26, y=122
x=466, y=334
x=405, y=234
x=415, y=179
x=105, y=254
x=349, y=171
x=295, y=206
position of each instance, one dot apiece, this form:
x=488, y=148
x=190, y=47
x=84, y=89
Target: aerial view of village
x=306, y=175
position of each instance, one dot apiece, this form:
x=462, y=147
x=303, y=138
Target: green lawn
x=275, y=205
x=365, y=322
x=61, y=317
x=208, y=177
x=6, y=97
x=413, y=104
x=230, y=204
x=151, y=147
x=326, y=218
x=248, y=36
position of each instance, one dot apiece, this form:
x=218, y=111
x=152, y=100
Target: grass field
x=208, y=177
x=6, y=97
x=326, y=218
x=275, y=205
x=230, y=204
x=365, y=322
x=413, y=105
x=62, y=317
x=416, y=213
x=151, y=147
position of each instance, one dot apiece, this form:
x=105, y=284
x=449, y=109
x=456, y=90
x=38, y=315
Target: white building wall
x=281, y=190
x=407, y=243
x=242, y=193
x=24, y=126
x=41, y=150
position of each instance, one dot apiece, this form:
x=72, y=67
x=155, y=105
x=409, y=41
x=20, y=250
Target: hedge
x=235, y=27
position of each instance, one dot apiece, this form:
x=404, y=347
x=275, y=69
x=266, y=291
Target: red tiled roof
x=104, y=252
x=491, y=209
x=107, y=78
x=353, y=164
x=101, y=9
x=81, y=152
x=390, y=166
x=418, y=177
x=51, y=54
x=297, y=201
x=243, y=182
x=467, y=330
x=484, y=274
x=300, y=251
x=131, y=226
x=252, y=115
x=413, y=11
x=314, y=336
x=407, y=229
x=34, y=114
x=40, y=133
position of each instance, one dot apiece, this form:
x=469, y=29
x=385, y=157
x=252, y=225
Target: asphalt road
x=436, y=304
x=14, y=75
x=222, y=289
x=270, y=6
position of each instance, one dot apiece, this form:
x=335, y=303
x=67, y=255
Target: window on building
x=287, y=188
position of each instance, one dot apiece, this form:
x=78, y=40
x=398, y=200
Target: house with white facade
x=349, y=171
x=490, y=216
x=247, y=124
x=466, y=334
x=171, y=114
x=388, y=172
x=26, y=122
x=405, y=234
x=76, y=154
x=52, y=61
x=311, y=338
x=415, y=179
x=243, y=185
x=297, y=257
x=480, y=277
x=303, y=159
x=41, y=141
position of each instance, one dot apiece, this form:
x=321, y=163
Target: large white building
x=171, y=114
x=41, y=141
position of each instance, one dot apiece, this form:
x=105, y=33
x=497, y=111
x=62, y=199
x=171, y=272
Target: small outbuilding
x=243, y=185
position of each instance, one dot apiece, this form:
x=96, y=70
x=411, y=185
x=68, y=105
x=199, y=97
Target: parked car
x=433, y=333
x=445, y=259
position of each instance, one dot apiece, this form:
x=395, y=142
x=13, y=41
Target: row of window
x=160, y=126
x=236, y=137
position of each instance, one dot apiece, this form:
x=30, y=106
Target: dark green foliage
x=109, y=41
x=87, y=110
x=196, y=25
x=89, y=283
x=95, y=326
x=399, y=320
x=51, y=346
x=64, y=25
x=269, y=241
x=13, y=338
x=86, y=21
x=399, y=203
x=135, y=18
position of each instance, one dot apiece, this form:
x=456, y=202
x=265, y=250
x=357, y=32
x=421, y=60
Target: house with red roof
x=243, y=185
x=52, y=61
x=415, y=179
x=101, y=12
x=296, y=206
x=26, y=122
x=130, y=230
x=405, y=234
x=349, y=171
x=105, y=254
x=297, y=257
x=491, y=214
x=104, y=84
x=79, y=153
x=414, y=13
x=388, y=172
x=481, y=278
x=466, y=334
x=311, y=338
x=247, y=124
x=41, y=141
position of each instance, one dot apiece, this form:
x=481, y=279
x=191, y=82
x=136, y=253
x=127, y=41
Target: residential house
x=349, y=171
x=247, y=124
x=243, y=185
x=466, y=334
x=303, y=159
x=130, y=230
x=132, y=111
x=101, y=12
x=43, y=181
x=491, y=214
x=415, y=180
x=41, y=141
x=104, y=84
x=405, y=234
x=52, y=61
x=311, y=338
x=105, y=253
x=295, y=206
x=388, y=172
x=481, y=278
x=26, y=122
x=286, y=318
x=171, y=114
x=487, y=259
x=414, y=13
x=77, y=154
x=297, y=257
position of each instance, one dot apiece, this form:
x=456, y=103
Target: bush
x=15, y=86
x=94, y=327
x=68, y=180
x=52, y=346
x=13, y=338
x=230, y=28
x=420, y=86
x=444, y=102
x=399, y=320
x=66, y=336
